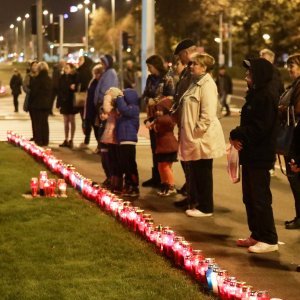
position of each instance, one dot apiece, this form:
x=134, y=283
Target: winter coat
x=65, y=96
x=128, y=122
x=257, y=130
x=166, y=141
x=224, y=84
x=90, y=108
x=156, y=87
x=16, y=84
x=85, y=74
x=200, y=133
x=108, y=79
x=40, y=92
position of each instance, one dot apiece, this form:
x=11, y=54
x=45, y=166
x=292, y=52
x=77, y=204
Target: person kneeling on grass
x=166, y=146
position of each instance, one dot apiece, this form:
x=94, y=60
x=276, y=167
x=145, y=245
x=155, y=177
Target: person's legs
x=73, y=128
x=202, y=179
x=87, y=131
x=44, y=127
x=262, y=218
x=16, y=102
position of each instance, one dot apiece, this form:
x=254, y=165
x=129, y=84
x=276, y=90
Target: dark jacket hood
x=261, y=70
x=131, y=96
x=107, y=60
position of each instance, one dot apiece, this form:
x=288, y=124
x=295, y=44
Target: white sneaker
x=261, y=247
x=197, y=213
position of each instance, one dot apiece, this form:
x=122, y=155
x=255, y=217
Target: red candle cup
x=34, y=186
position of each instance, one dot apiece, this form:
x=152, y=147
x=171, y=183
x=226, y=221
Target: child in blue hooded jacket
x=127, y=128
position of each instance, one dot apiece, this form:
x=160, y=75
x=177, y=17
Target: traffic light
x=125, y=38
x=52, y=32
x=33, y=19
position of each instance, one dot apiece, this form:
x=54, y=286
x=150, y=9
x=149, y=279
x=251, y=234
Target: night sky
x=11, y=9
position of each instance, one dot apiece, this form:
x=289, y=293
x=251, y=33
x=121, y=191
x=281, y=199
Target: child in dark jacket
x=166, y=146
x=127, y=128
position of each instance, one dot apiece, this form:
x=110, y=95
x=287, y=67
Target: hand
x=148, y=124
x=294, y=167
x=236, y=144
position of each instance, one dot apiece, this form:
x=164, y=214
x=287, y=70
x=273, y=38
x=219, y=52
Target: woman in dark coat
x=15, y=85
x=40, y=104
x=255, y=139
x=158, y=85
x=66, y=89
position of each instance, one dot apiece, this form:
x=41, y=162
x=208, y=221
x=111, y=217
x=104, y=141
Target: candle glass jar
x=34, y=186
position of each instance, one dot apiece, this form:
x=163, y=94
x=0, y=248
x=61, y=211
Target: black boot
x=154, y=181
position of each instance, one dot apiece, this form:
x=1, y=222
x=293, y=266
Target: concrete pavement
x=215, y=235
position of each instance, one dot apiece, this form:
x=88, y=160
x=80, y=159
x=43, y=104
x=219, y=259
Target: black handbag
x=26, y=102
x=285, y=133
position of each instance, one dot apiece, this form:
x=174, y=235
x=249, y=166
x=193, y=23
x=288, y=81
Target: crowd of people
x=190, y=99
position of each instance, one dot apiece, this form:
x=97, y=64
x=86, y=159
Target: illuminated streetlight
x=27, y=16
x=80, y=6
x=1, y=38
x=266, y=36
x=73, y=9
x=11, y=26
x=86, y=2
x=217, y=40
x=19, y=19
x=45, y=12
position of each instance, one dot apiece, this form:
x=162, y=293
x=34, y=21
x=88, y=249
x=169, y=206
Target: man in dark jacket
x=224, y=84
x=255, y=139
x=15, y=85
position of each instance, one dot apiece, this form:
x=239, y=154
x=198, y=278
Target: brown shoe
x=246, y=242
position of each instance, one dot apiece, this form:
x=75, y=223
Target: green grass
x=69, y=249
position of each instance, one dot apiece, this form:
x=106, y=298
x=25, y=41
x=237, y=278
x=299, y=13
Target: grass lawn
x=68, y=248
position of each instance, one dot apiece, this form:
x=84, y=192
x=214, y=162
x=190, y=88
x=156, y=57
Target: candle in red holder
x=176, y=248
x=246, y=290
x=253, y=295
x=263, y=295
x=231, y=288
x=202, y=268
x=218, y=279
x=52, y=182
x=186, y=250
x=239, y=290
x=34, y=186
x=42, y=179
x=47, y=190
x=223, y=281
x=62, y=188
x=167, y=241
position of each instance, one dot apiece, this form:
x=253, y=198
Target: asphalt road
x=215, y=235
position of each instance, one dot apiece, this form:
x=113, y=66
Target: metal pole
x=113, y=18
x=221, y=56
x=17, y=39
x=39, y=22
x=148, y=43
x=229, y=44
x=24, y=39
x=86, y=13
x=61, y=36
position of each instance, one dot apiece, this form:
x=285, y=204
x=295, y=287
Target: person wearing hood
x=84, y=77
x=127, y=128
x=108, y=79
x=255, y=139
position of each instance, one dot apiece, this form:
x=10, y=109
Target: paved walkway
x=216, y=235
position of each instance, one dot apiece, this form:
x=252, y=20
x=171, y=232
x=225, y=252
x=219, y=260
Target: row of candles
x=203, y=269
